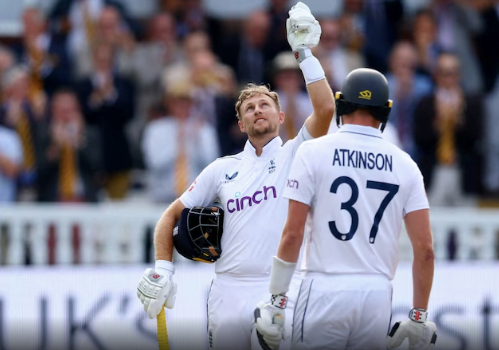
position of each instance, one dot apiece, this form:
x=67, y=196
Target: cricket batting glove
x=303, y=30
x=269, y=319
x=422, y=334
x=157, y=290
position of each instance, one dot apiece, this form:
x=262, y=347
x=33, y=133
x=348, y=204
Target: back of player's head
x=367, y=89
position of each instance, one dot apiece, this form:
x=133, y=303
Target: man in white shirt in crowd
x=355, y=189
x=249, y=186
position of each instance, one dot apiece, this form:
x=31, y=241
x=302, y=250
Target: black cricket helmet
x=364, y=88
x=198, y=233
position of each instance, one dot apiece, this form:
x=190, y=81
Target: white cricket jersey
x=250, y=190
x=359, y=187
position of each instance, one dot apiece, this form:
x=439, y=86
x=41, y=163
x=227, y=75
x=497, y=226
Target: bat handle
x=162, y=332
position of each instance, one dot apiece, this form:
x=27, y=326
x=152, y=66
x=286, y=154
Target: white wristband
x=165, y=265
x=312, y=70
x=280, y=278
x=418, y=315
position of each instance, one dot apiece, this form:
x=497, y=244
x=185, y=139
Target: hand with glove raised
x=422, y=334
x=156, y=288
x=303, y=31
x=269, y=319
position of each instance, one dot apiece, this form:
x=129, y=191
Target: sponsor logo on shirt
x=230, y=178
x=272, y=166
x=293, y=183
x=240, y=203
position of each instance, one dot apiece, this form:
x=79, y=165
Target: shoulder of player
x=222, y=162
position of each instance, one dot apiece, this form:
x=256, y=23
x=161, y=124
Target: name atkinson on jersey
x=362, y=160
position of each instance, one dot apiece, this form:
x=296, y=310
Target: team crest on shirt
x=272, y=166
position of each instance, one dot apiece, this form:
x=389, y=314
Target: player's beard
x=258, y=133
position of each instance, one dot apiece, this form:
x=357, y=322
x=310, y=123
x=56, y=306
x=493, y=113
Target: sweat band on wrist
x=312, y=70
x=281, y=275
x=418, y=315
x=302, y=54
x=165, y=265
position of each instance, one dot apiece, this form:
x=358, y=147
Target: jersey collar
x=360, y=130
x=268, y=150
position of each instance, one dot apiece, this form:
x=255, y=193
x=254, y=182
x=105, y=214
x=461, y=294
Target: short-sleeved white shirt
x=250, y=190
x=359, y=187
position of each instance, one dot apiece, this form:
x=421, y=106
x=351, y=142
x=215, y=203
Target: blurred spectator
x=458, y=24
x=231, y=139
x=110, y=29
x=337, y=60
x=76, y=20
x=278, y=41
x=190, y=17
x=352, y=24
x=11, y=160
x=447, y=130
x=7, y=60
x=144, y=65
x=173, y=162
x=488, y=52
x=69, y=165
x=44, y=54
x=289, y=84
x=107, y=101
x=246, y=54
x=208, y=76
x=191, y=45
x=424, y=36
x=383, y=19
x=19, y=113
x=489, y=59
x=406, y=89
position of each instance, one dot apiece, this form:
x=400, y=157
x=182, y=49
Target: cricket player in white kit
x=249, y=186
x=356, y=190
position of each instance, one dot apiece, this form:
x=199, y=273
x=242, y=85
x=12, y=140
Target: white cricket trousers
x=342, y=312
x=231, y=305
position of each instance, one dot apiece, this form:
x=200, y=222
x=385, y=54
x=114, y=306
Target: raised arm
x=304, y=33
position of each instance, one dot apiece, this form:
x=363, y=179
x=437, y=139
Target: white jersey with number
x=250, y=189
x=359, y=187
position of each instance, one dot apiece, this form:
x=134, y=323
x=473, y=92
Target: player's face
x=260, y=117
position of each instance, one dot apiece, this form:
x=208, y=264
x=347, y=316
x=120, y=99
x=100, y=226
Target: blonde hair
x=251, y=90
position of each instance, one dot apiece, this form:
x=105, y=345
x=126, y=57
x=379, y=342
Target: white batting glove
x=303, y=30
x=157, y=290
x=269, y=319
x=422, y=334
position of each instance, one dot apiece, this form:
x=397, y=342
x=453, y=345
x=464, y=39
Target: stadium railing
x=115, y=233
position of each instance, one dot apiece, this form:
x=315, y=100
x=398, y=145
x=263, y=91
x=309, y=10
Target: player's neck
x=361, y=119
x=260, y=142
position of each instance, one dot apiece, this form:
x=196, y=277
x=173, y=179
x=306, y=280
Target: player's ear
x=281, y=117
x=241, y=126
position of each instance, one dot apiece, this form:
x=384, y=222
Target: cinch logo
x=366, y=94
x=293, y=184
x=239, y=204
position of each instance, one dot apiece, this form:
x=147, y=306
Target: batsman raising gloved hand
x=249, y=187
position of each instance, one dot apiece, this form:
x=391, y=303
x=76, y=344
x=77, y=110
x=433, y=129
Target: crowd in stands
x=97, y=105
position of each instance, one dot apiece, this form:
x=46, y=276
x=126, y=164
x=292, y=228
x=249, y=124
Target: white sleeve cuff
x=280, y=278
x=165, y=265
